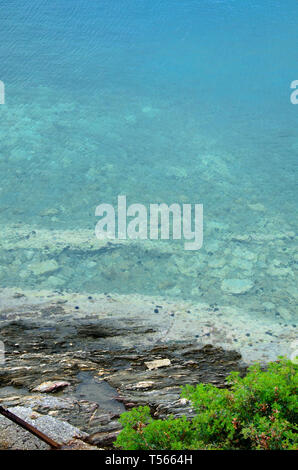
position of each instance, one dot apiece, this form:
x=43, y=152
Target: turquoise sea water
x=184, y=101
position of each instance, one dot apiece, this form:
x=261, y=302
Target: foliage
x=258, y=411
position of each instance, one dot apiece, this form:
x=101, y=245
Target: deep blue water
x=163, y=101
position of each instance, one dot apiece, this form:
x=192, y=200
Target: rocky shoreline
x=74, y=362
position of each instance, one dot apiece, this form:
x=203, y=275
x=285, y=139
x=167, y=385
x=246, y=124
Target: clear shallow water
x=163, y=101
x=98, y=391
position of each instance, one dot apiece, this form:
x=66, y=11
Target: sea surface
x=163, y=101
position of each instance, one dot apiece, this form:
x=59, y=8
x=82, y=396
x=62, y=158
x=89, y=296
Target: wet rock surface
x=47, y=342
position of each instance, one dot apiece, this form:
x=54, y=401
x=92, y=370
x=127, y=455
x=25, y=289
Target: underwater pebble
x=236, y=286
x=49, y=212
x=257, y=207
x=217, y=263
x=44, y=267
x=284, y=313
x=268, y=305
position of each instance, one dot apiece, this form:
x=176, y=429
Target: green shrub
x=258, y=411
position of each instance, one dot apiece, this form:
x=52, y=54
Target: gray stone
x=44, y=267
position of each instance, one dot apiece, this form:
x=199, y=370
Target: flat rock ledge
x=96, y=364
x=13, y=437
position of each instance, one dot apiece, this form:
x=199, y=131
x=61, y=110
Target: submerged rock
x=236, y=286
x=44, y=267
